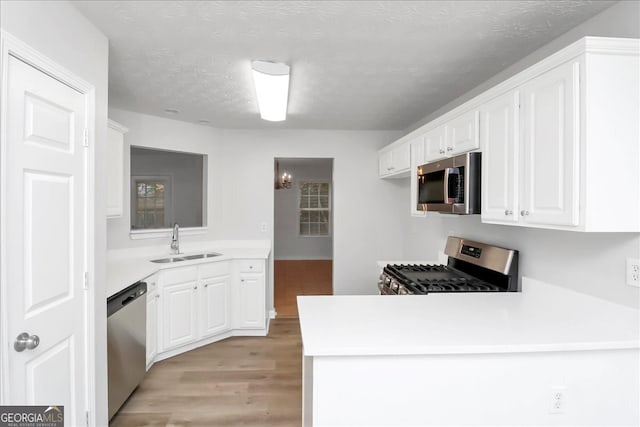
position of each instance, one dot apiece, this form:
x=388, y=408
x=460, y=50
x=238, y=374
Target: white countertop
x=542, y=317
x=126, y=267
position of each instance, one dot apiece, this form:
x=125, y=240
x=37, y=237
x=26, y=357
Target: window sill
x=165, y=232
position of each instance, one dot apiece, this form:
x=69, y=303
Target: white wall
x=241, y=196
x=288, y=244
x=366, y=209
x=57, y=30
x=158, y=132
x=592, y=263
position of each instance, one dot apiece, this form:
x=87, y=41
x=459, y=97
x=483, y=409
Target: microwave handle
x=447, y=200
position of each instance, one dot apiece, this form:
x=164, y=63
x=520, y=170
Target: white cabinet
x=499, y=124
x=463, y=133
x=203, y=303
x=152, y=319
x=179, y=314
x=115, y=168
x=394, y=161
x=530, y=152
x=250, y=295
x=550, y=147
x=214, y=306
x=574, y=149
x=456, y=136
x=434, y=144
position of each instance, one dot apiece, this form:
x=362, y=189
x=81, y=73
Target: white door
x=434, y=141
x=214, y=306
x=46, y=211
x=463, y=134
x=179, y=305
x=499, y=140
x=550, y=147
x=251, y=301
x=152, y=326
x=417, y=159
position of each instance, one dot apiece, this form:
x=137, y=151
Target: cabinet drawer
x=214, y=269
x=179, y=275
x=250, y=266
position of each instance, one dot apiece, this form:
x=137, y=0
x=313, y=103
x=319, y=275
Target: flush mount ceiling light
x=272, y=89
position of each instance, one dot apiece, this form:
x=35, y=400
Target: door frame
x=12, y=46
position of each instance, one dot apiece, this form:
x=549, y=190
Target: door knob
x=26, y=341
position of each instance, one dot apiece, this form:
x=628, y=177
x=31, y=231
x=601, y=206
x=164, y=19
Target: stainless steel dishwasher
x=126, y=343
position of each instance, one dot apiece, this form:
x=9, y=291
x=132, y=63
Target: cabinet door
x=214, y=306
x=550, y=145
x=115, y=169
x=463, y=133
x=179, y=307
x=152, y=326
x=251, y=301
x=434, y=141
x=499, y=124
x=417, y=159
x=401, y=158
x=385, y=162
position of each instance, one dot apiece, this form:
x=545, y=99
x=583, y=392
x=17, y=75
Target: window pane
x=324, y=201
x=324, y=189
x=304, y=229
x=323, y=229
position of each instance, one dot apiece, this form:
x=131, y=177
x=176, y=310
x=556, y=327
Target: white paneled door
x=45, y=206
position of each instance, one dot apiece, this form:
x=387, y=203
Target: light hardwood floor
x=299, y=277
x=241, y=381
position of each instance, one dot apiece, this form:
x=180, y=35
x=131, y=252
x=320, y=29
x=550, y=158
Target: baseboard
x=294, y=258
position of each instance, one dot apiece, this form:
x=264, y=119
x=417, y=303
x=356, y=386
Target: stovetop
x=433, y=278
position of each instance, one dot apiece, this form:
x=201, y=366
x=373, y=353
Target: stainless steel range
x=471, y=267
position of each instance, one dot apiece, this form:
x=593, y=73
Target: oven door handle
x=447, y=199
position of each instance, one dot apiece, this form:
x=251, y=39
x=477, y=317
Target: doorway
x=303, y=231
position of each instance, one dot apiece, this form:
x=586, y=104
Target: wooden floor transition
x=299, y=277
x=241, y=381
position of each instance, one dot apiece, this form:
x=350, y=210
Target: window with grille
x=315, y=205
x=150, y=203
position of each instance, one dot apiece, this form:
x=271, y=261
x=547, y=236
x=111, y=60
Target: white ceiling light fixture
x=272, y=89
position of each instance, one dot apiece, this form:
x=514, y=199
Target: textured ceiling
x=354, y=64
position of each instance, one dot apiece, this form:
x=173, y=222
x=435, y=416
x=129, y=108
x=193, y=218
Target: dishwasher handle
x=125, y=297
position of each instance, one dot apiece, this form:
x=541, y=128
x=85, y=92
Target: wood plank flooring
x=240, y=381
x=300, y=277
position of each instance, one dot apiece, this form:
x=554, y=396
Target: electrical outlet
x=263, y=227
x=633, y=272
x=558, y=400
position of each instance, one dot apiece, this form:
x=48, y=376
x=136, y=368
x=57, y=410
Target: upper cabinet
x=115, y=168
x=394, y=161
x=562, y=147
x=559, y=140
x=456, y=136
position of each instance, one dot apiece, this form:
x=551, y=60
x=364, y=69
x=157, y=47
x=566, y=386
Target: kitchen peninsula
x=504, y=357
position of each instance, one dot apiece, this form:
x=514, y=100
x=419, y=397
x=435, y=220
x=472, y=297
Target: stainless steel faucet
x=175, y=239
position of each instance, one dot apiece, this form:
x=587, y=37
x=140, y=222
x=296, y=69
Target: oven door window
x=431, y=187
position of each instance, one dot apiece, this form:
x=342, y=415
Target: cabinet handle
x=449, y=148
x=251, y=267
x=524, y=213
x=242, y=280
x=157, y=296
x=508, y=212
x=195, y=287
x=206, y=285
x=441, y=151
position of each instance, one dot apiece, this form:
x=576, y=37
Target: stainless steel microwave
x=450, y=185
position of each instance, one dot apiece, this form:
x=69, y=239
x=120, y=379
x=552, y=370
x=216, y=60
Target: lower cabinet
x=214, y=306
x=199, y=304
x=179, y=314
x=249, y=305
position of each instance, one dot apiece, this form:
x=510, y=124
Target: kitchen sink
x=185, y=257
